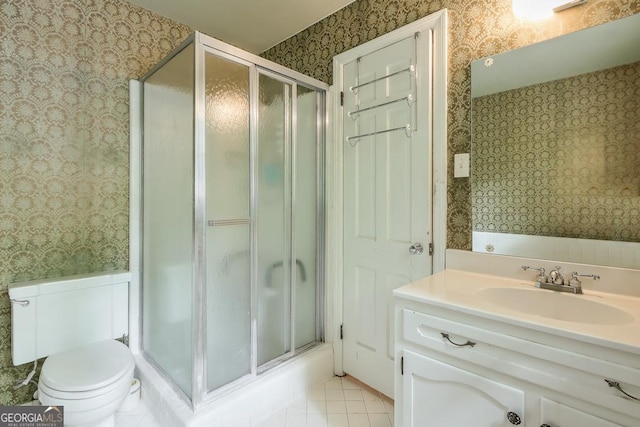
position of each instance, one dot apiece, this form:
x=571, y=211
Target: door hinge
x=430, y=249
x=341, y=331
x=402, y=365
x=341, y=98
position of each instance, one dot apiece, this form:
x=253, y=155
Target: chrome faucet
x=555, y=277
x=555, y=280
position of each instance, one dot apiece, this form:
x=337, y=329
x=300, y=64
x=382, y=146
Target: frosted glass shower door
x=228, y=231
x=167, y=232
x=274, y=218
x=306, y=166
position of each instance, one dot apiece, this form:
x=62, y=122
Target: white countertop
x=459, y=290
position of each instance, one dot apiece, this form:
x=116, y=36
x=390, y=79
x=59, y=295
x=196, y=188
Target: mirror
x=556, y=148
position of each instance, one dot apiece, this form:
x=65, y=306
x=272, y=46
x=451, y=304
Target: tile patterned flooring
x=339, y=402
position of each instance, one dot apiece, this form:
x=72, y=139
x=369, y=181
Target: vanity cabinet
x=456, y=368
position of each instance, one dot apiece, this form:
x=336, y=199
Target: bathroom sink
x=556, y=305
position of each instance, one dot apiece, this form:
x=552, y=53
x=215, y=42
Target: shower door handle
x=416, y=249
x=223, y=222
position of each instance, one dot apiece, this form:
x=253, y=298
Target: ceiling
x=252, y=25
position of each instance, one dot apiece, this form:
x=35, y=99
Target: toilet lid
x=88, y=367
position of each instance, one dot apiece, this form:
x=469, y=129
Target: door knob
x=416, y=249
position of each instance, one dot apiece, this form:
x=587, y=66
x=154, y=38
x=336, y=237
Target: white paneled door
x=387, y=192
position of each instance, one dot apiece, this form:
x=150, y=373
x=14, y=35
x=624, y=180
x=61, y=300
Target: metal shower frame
x=204, y=44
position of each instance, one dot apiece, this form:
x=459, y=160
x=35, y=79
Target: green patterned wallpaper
x=560, y=158
x=64, y=66
x=64, y=141
x=477, y=28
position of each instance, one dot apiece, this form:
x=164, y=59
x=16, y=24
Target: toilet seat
x=87, y=371
x=89, y=408
x=123, y=382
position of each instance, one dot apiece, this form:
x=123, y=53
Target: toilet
x=91, y=382
x=72, y=321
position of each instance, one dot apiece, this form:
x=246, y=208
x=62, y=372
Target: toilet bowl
x=90, y=382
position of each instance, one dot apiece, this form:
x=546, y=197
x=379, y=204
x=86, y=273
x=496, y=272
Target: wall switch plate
x=461, y=165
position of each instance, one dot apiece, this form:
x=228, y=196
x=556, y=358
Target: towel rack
x=354, y=114
x=410, y=69
x=406, y=128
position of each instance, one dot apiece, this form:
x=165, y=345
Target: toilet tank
x=53, y=315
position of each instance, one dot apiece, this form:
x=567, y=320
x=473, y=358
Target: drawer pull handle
x=616, y=385
x=24, y=303
x=468, y=343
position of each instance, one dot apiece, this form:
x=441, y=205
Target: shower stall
x=232, y=216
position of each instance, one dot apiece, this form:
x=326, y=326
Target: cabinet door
x=436, y=394
x=555, y=414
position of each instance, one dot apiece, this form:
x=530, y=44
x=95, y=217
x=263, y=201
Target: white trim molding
x=135, y=197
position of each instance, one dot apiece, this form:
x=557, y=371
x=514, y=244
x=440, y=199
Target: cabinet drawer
x=547, y=366
x=438, y=333
x=557, y=414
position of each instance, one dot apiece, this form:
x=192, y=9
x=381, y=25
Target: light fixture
x=568, y=5
x=540, y=9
